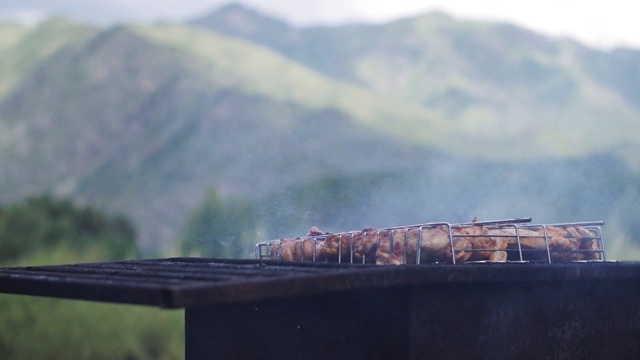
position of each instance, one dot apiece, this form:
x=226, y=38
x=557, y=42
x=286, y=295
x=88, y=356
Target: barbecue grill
x=269, y=309
x=275, y=310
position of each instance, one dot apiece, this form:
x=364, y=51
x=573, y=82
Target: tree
x=220, y=228
x=43, y=222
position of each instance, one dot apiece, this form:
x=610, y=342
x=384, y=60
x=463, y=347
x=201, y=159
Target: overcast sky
x=602, y=24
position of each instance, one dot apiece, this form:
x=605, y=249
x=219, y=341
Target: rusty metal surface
x=183, y=282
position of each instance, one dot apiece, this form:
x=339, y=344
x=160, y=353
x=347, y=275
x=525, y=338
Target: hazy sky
x=597, y=23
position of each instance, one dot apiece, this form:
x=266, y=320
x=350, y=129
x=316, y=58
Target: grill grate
x=173, y=282
x=183, y=282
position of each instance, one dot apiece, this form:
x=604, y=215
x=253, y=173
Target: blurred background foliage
x=44, y=230
x=221, y=228
x=44, y=223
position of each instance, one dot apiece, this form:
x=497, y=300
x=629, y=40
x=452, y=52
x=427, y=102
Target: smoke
x=448, y=190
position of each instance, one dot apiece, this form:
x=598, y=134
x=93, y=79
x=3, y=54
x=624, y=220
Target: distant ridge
x=492, y=80
x=146, y=119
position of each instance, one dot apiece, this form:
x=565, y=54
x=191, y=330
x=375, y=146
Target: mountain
x=423, y=118
x=242, y=22
x=505, y=85
x=126, y=119
x=22, y=50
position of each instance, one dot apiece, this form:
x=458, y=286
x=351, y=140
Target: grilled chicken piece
x=462, y=248
x=399, y=246
x=314, y=231
x=365, y=244
x=485, y=247
x=285, y=249
x=563, y=242
x=432, y=241
x=392, y=250
x=337, y=245
x=309, y=250
x=589, y=243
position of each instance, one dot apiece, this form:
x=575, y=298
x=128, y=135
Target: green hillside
x=253, y=70
x=497, y=85
x=130, y=121
x=22, y=49
x=10, y=34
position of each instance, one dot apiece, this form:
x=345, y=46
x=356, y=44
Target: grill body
x=275, y=310
x=497, y=320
